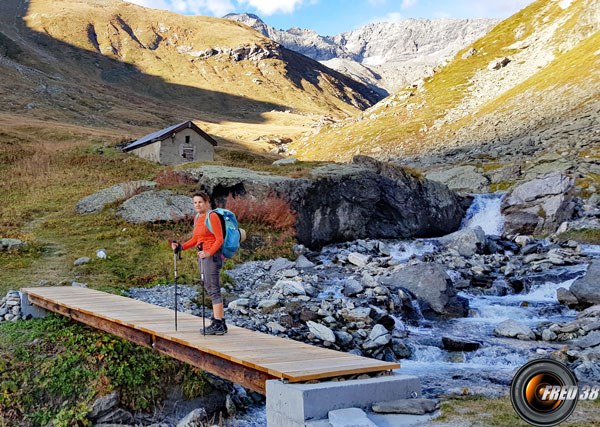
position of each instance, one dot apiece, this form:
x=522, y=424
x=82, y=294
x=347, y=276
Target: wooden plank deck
x=243, y=356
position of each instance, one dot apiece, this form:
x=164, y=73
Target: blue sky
x=330, y=17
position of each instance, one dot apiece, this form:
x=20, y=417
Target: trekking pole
x=200, y=248
x=175, y=253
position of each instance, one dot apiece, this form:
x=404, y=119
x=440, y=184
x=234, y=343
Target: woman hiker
x=210, y=260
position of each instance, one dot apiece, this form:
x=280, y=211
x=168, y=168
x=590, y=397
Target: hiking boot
x=217, y=327
x=212, y=319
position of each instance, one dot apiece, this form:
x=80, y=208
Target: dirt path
x=53, y=265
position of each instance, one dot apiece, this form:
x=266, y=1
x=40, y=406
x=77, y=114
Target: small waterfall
x=485, y=212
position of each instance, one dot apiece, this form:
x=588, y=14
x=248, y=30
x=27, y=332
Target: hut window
x=188, y=153
x=187, y=139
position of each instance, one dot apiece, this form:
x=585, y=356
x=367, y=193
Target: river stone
x=433, y=288
x=343, y=339
x=539, y=206
x=116, y=416
x=238, y=304
x=459, y=344
x=303, y=262
x=460, y=178
x=588, y=372
x=548, y=335
x=349, y=417
x=352, y=287
x=405, y=406
x=276, y=327
x=590, y=340
x=156, y=206
x=467, y=242
x=268, y=304
x=97, y=201
x=11, y=244
x=358, y=259
x=321, y=331
x=103, y=405
x=400, y=349
x=378, y=337
x=360, y=314
x=587, y=288
x=566, y=297
x=82, y=260
x=281, y=264
x=193, y=418
x=512, y=329
x=290, y=287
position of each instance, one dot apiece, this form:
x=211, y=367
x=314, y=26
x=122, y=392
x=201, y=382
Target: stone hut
x=180, y=143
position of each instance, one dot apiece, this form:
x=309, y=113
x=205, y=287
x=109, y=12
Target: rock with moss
x=11, y=244
x=342, y=202
x=539, y=206
x=156, y=206
x=461, y=178
x=96, y=202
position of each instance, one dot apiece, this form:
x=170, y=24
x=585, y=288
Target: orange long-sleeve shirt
x=211, y=242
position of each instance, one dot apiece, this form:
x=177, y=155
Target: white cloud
x=269, y=7
x=408, y=3
x=154, y=4
x=390, y=17
x=195, y=7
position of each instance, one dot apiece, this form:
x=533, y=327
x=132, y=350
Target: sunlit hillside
x=550, y=75
x=118, y=65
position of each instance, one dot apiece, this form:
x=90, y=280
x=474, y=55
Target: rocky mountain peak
x=384, y=55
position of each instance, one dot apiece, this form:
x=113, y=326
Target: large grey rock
x=460, y=178
x=378, y=337
x=156, y=206
x=539, y=206
x=368, y=199
x=590, y=340
x=320, y=331
x=103, y=405
x=512, y=329
x=587, y=288
x=97, y=201
x=467, y=241
x=11, y=244
x=194, y=418
x=433, y=288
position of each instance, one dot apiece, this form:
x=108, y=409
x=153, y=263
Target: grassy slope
x=404, y=125
x=116, y=65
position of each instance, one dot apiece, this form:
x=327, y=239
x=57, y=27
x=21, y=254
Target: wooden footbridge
x=243, y=356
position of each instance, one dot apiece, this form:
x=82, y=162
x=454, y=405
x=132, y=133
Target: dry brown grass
x=272, y=211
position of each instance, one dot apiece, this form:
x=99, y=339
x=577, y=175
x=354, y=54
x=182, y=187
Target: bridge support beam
x=304, y=405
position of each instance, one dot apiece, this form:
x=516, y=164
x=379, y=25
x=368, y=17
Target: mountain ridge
x=385, y=55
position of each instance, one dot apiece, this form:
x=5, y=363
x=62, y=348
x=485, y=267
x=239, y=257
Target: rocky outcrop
x=345, y=202
x=539, y=206
x=461, y=178
x=387, y=51
x=587, y=288
x=432, y=287
x=156, y=206
x=96, y=202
